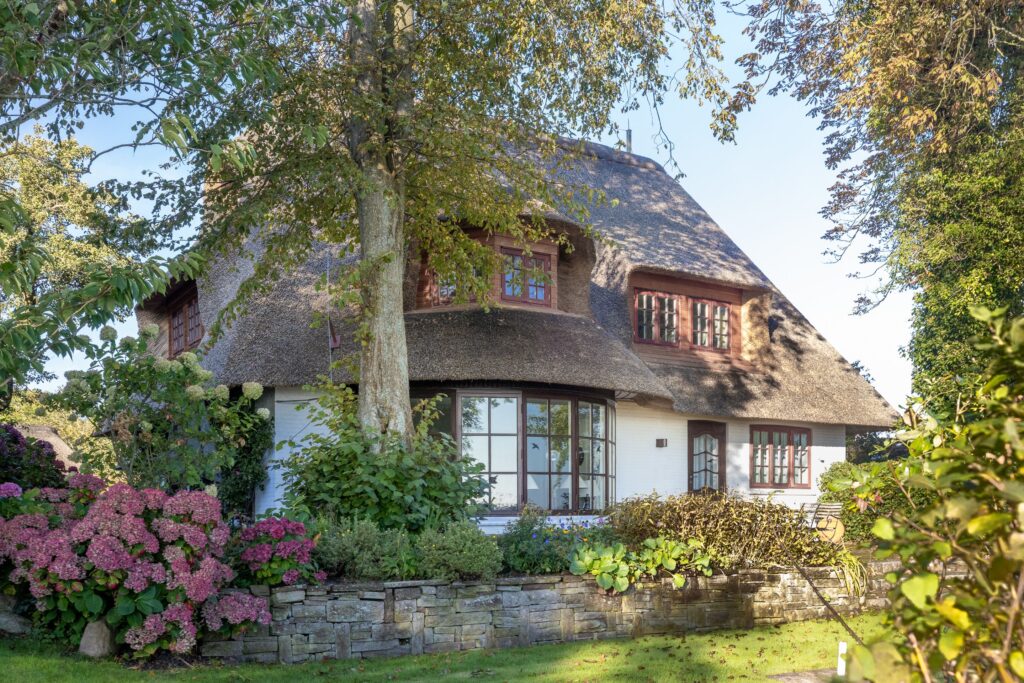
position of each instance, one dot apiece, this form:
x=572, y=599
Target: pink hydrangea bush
x=151, y=564
x=275, y=551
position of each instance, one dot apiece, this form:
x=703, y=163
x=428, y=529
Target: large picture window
x=554, y=452
x=780, y=457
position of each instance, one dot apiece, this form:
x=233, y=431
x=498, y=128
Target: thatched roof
x=274, y=343
x=656, y=226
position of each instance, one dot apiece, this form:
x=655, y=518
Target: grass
x=749, y=656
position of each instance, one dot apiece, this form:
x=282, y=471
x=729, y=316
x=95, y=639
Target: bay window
x=780, y=457
x=554, y=452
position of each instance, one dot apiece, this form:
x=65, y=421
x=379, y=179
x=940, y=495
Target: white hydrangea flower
x=221, y=392
x=264, y=413
x=203, y=375
x=108, y=333
x=189, y=359
x=211, y=490
x=252, y=390
x=150, y=331
x=162, y=365
x=195, y=392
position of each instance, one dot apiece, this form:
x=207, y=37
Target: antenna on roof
x=629, y=138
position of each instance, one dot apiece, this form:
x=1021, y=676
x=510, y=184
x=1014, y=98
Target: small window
x=780, y=457
x=526, y=278
x=710, y=325
x=657, y=318
x=186, y=326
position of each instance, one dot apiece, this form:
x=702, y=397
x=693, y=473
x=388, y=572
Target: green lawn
x=719, y=656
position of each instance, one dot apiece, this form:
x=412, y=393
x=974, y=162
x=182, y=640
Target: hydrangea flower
x=252, y=390
x=9, y=490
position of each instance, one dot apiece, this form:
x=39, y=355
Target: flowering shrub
x=148, y=563
x=275, y=551
x=169, y=427
x=28, y=462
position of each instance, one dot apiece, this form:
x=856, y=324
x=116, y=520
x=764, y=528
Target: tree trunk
x=384, y=404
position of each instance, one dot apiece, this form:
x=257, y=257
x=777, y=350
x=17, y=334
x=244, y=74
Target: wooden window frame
x=184, y=307
x=657, y=341
x=790, y=455
x=524, y=297
x=608, y=477
x=718, y=430
x=711, y=304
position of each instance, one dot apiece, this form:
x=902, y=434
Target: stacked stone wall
x=358, y=620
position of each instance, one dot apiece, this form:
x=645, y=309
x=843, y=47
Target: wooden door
x=707, y=456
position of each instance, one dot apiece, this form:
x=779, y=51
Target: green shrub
x=169, y=427
x=532, y=545
x=957, y=625
x=359, y=549
x=342, y=471
x=839, y=484
x=615, y=568
x=28, y=462
x=736, y=532
x=459, y=550
x=237, y=484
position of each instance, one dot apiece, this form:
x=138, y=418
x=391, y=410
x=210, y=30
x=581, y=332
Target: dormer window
x=186, y=326
x=710, y=321
x=657, y=318
x=525, y=278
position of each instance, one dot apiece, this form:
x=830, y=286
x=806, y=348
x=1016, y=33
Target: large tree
x=141, y=69
x=409, y=120
x=923, y=108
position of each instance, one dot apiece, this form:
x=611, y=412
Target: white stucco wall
x=291, y=422
x=642, y=467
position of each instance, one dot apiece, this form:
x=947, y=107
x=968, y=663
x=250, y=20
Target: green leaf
x=604, y=581
x=124, y=606
x=621, y=584
x=983, y=525
x=93, y=603
x=883, y=529
x=951, y=643
x=919, y=588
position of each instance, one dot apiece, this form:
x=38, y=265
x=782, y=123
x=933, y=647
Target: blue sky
x=765, y=191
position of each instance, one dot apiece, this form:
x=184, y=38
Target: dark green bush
x=839, y=484
x=345, y=472
x=736, y=532
x=532, y=545
x=237, y=484
x=460, y=550
x=359, y=549
x=27, y=462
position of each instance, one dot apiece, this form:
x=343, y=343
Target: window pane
x=801, y=459
x=586, y=496
x=611, y=460
x=583, y=416
x=514, y=276
x=560, y=461
x=598, y=494
x=474, y=415
x=760, y=465
x=536, y=416
x=504, y=453
x=597, y=462
x=504, y=415
x=721, y=327
x=561, y=492
x=645, y=316
x=780, y=463
x=700, y=323
x=536, y=454
x=504, y=494
x=560, y=418
x=597, y=411
x=668, y=319
x=537, y=490
x=584, y=455
x=475, y=448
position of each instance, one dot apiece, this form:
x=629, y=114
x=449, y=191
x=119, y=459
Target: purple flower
x=9, y=490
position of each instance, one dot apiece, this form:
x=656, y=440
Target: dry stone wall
x=356, y=620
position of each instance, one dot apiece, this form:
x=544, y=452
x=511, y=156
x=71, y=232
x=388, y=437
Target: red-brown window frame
x=711, y=303
x=790, y=452
x=680, y=303
x=184, y=308
x=524, y=298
